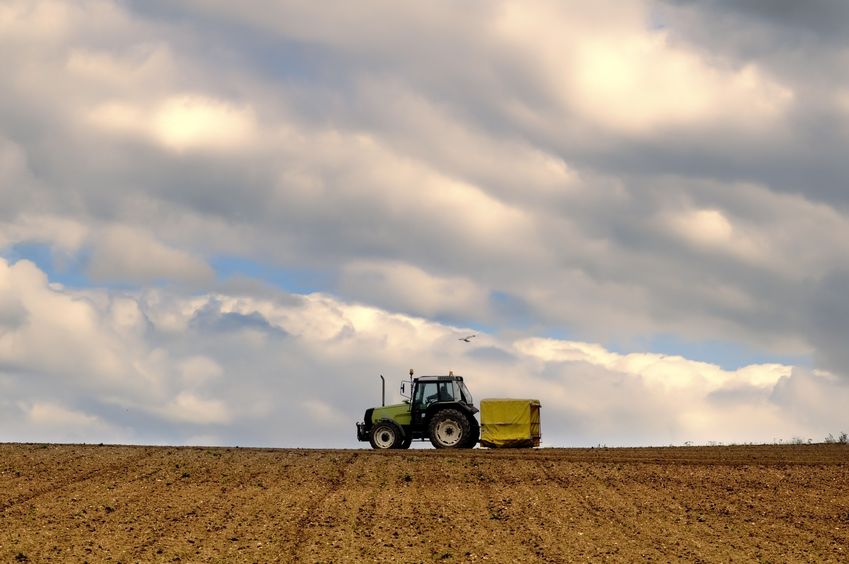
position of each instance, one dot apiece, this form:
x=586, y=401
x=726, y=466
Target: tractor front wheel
x=449, y=429
x=385, y=435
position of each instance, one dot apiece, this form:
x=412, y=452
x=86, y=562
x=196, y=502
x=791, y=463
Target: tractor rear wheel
x=449, y=429
x=474, y=434
x=386, y=435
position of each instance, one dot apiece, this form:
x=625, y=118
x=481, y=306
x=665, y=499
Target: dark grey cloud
x=211, y=318
x=824, y=20
x=800, y=44
x=828, y=320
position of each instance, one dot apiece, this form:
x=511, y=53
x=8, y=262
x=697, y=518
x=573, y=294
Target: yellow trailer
x=510, y=423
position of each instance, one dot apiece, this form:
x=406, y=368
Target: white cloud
x=51, y=421
x=370, y=183
x=711, y=230
x=126, y=317
x=57, y=328
x=663, y=372
x=640, y=83
x=182, y=123
x=188, y=407
x=125, y=254
x=704, y=227
x=322, y=414
x=406, y=288
x=608, y=65
x=318, y=360
x=199, y=370
x=65, y=235
x=57, y=417
x=41, y=19
x=190, y=121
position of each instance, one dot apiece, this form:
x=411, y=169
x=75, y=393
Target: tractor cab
x=429, y=391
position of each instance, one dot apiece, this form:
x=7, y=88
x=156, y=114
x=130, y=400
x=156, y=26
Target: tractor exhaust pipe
x=382, y=390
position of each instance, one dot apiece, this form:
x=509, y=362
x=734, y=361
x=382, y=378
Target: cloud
x=406, y=288
x=711, y=231
x=829, y=318
x=144, y=64
x=125, y=254
x=316, y=358
x=612, y=173
x=665, y=372
x=323, y=414
x=53, y=328
x=804, y=391
x=39, y=421
x=55, y=417
x=181, y=123
x=608, y=66
x=821, y=19
x=63, y=235
x=189, y=408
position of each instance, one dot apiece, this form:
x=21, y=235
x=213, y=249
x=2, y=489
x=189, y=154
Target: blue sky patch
x=65, y=268
x=291, y=279
x=727, y=355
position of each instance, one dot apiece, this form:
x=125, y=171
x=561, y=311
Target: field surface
x=72, y=503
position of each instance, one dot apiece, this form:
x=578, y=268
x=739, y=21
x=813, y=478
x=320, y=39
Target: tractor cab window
x=430, y=392
x=466, y=394
x=446, y=391
x=426, y=394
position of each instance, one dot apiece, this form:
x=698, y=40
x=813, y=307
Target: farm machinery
x=441, y=409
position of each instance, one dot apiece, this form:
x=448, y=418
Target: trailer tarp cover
x=509, y=423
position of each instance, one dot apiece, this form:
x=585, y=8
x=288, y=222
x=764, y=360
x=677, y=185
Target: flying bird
x=467, y=339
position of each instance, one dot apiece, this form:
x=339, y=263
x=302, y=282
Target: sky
x=220, y=222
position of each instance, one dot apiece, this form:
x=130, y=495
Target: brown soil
x=148, y=504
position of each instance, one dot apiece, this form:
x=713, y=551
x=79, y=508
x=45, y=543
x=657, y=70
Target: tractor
x=439, y=408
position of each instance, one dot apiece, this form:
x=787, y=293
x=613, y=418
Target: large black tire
x=449, y=429
x=385, y=435
x=474, y=433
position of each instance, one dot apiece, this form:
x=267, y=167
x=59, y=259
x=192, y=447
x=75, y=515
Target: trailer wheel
x=386, y=435
x=448, y=429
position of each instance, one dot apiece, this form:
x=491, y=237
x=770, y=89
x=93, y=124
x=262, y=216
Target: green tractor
x=439, y=408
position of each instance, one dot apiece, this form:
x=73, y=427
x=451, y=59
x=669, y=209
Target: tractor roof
x=440, y=378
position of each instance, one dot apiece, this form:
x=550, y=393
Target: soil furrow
x=76, y=503
x=54, y=486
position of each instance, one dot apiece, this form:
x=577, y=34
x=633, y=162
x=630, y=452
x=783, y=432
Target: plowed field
x=147, y=504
